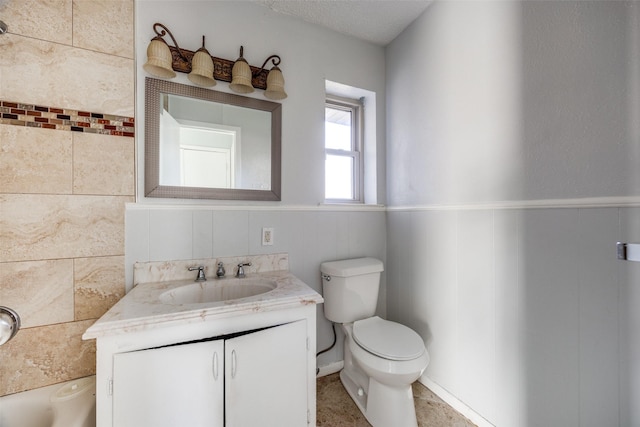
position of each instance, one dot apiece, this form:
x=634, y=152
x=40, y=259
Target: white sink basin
x=217, y=290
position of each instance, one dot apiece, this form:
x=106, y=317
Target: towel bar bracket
x=628, y=251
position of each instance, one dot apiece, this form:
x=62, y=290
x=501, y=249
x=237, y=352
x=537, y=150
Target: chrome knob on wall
x=9, y=324
x=3, y=27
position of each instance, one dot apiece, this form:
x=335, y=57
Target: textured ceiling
x=376, y=21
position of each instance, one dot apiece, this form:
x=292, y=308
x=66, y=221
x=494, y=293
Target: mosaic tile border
x=18, y=114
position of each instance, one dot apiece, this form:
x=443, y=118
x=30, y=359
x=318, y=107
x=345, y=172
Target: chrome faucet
x=220, y=273
x=241, y=266
x=200, y=277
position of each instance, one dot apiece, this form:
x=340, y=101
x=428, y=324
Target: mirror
x=204, y=144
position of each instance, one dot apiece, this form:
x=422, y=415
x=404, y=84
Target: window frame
x=356, y=107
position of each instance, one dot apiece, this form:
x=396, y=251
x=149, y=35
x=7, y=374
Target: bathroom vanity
x=223, y=352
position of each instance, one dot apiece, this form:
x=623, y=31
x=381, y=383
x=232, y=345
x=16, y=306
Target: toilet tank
x=350, y=288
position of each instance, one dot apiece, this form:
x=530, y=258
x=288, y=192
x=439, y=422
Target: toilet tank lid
x=352, y=267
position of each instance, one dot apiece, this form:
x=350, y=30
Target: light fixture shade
x=241, y=77
x=202, y=68
x=275, y=85
x=159, y=60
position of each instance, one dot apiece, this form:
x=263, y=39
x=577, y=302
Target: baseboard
x=456, y=404
x=329, y=369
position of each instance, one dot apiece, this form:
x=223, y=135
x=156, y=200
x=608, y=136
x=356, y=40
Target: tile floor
x=336, y=409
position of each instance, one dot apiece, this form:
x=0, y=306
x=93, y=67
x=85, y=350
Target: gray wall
x=503, y=101
x=512, y=151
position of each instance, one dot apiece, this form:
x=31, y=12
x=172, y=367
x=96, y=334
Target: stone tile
x=35, y=160
x=103, y=164
x=34, y=227
x=37, y=357
x=40, y=19
x=160, y=271
x=259, y=263
x=104, y=26
x=41, y=292
x=434, y=412
x=38, y=72
x=99, y=284
x=336, y=409
x=334, y=406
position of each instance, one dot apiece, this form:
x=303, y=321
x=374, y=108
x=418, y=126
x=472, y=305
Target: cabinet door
x=182, y=385
x=266, y=377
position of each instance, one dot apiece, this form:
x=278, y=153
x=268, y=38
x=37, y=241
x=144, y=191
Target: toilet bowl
x=74, y=404
x=395, y=357
x=381, y=358
x=381, y=387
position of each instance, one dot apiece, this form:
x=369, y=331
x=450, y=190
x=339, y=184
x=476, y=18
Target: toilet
x=74, y=404
x=381, y=358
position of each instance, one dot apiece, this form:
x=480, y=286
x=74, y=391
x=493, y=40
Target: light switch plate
x=267, y=236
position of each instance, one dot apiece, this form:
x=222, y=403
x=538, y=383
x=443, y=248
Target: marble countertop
x=142, y=309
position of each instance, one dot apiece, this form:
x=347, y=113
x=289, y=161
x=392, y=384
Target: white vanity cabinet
x=252, y=379
x=244, y=362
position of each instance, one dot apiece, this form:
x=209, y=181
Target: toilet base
x=382, y=405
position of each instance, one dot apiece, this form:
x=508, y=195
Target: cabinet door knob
x=215, y=365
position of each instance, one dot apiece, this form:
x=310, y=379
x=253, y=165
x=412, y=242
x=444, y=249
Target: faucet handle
x=241, y=268
x=201, y=277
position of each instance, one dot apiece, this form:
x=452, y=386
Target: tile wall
x=38, y=116
x=62, y=191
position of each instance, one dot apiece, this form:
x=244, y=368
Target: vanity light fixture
x=203, y=69
x=241, y=75
x=159, y=57
x=275, y=84
x=275, y=80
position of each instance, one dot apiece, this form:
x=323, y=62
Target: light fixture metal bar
x=221, y=67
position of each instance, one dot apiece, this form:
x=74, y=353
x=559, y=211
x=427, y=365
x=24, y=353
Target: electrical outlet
x=267, y=236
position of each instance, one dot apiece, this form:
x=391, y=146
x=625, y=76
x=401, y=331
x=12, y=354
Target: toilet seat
x=386, y=339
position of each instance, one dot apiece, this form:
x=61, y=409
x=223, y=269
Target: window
x=343, y=151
